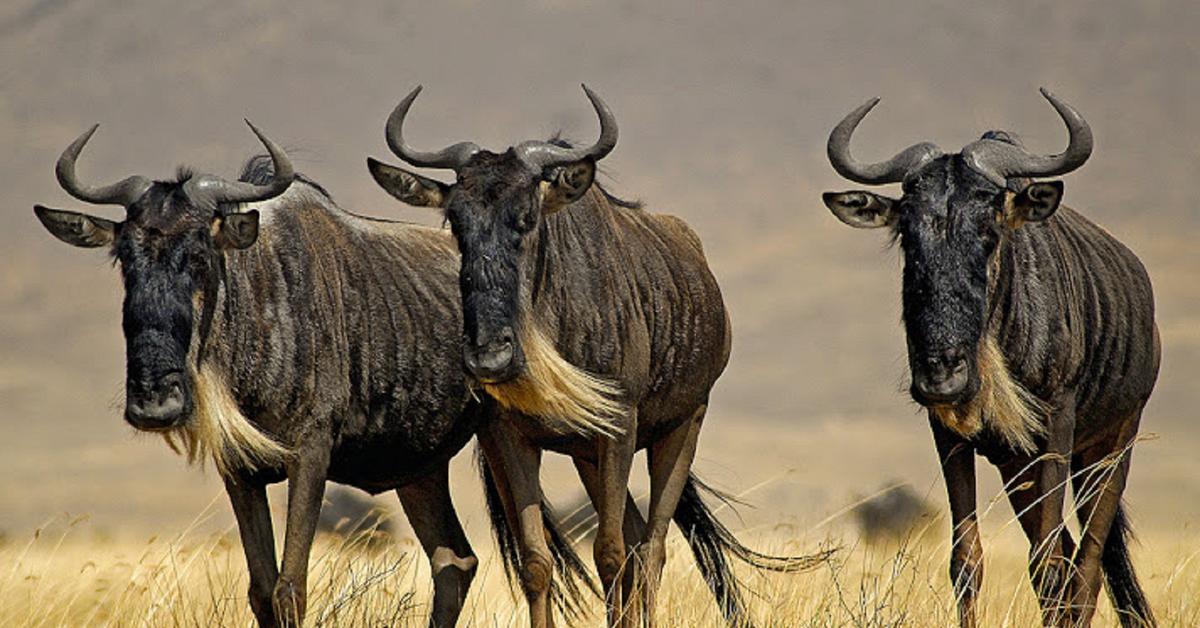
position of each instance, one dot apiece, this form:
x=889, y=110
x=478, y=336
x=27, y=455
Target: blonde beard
x=218, y=430
x=566, y=398
x=1002, y=403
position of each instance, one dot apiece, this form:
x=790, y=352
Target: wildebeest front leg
x=670, y=462
x=1099, y=475
x=615, y=461
x=306, y=489
x=253, y=514
x=516, y=464
x=452, y=563
x=634, y=526
x=1037, y=490
x=957, y=459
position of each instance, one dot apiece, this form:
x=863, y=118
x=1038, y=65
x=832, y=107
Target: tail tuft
x=1123, y=588
x=712, y=543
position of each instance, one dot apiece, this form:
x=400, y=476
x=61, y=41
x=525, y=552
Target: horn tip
x=87, y=135
x=257, y=131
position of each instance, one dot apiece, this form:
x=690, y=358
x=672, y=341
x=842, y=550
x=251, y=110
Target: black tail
x=712, y=545
x=572, y=586
x=1123, y=588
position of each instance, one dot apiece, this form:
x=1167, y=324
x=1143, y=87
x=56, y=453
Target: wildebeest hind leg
x=431, y=513
x=1099, y=474
x=670, y=461
x=633, y=526
x=253, y=514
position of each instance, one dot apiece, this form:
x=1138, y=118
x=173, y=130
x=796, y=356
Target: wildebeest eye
x=989, y=232
x=526, y=218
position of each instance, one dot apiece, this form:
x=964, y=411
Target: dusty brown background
x=723, y=108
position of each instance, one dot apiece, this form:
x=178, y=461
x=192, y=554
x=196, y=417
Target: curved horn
x=1000, y=161
x=890, y=171
x=452, y=157
x=540, y=155
x=124, y=192
x=217, y=190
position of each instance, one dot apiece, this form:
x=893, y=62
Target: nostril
x=498, y=341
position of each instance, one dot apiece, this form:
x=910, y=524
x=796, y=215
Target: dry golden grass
x=68, y=578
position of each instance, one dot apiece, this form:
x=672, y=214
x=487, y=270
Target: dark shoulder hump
x=259, y=170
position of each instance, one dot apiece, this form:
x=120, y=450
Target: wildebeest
x=285, y=338
x=600, y=330
x=891, y=515
x=354, y=515
x=1031, y=340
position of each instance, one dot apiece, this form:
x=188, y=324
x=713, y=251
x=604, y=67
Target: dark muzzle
x=492, y=357
x=941, y=378
x=156, y=404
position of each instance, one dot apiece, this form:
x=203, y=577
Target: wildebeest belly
x=399, y=449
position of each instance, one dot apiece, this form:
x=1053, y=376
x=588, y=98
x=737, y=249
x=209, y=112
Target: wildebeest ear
x=409, y=187
x=1037, y=202
x=75, y=228
x=236, y=231
x=567, y=184
x=861, y=209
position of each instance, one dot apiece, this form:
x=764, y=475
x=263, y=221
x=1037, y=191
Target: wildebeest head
x=170, y=251
x=496, y=203
x=954, y=212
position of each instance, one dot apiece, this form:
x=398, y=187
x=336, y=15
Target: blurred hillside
x=724, y=109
